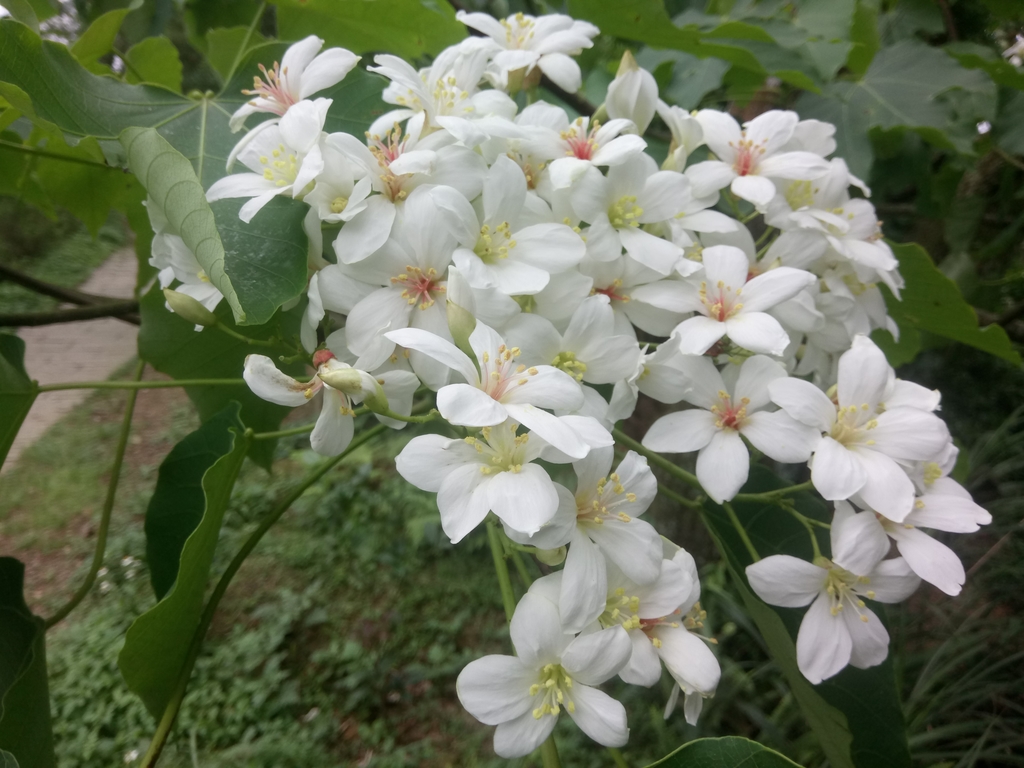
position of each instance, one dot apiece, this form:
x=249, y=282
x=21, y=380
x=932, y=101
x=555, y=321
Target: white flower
x=175, y=261
x=838, y=629
x=629, y=284
x=634, y=193
x=724, y=413
x=589, y=350
x=687, y=135
x=575, y=148
x=546, y=42
x=498, y=251
x=748, y=157
x=551, y=671
x=863, y=443
x=396, y=165
x=731, y=303
x=601, y=521
x=341, y=188
x=498, y=387
x=302, y=73
x=490, y=473
x=403, y=285
x=285, y=157
x=334, y=429
x=633, y=94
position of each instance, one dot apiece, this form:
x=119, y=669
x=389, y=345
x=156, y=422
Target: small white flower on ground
x=723, y=413
x=838, y=628
x=524, y=694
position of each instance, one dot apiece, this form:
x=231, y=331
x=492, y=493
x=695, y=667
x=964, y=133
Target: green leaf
x=172, y=346
x=908, y=85
x=856, y=715
x=223, y=46
x=864, y=36
x=17, y=391
x=98, y=39
x=153, y=60
x=1009, y=126
x=25, y=728
x=931, y=302
x=407, y=28
x=265, y=259
x=23, y=11
x=726, y=752
x=975, y=56
x=7, y=760
x=178, y=502
x=89, y=192
x=172, y=184
x=689, y=79
x=157, y=644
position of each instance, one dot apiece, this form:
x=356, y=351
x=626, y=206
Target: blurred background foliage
x=341, y=641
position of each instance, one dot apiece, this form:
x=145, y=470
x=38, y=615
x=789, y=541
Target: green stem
x=741, y=531
x=284, y=432
x=521, y=569
x=764, y=236
x=772, y=497
x=680, y=499
x=656, y=458
x=178, y=695
x=501, y=568
x=806, y=523
x=549, y=753
x=242, y=337
x=617, y=757
x=12, y=145
x=108, y=508
x=142, y=384
x=245, y=41
x=389, y=414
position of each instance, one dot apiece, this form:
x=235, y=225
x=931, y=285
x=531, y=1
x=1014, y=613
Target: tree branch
x=122, y=310
x=69, y=295
x=15, y=147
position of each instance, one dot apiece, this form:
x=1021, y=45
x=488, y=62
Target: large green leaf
x=98, y=39
x=157, y=643
x=408, y=28
x=7, y=759
x=725, y=752
x=178, y=502
x=172, y=184
x=154, y=60
x=932, y=302
x=17, y=391
x=856, y=715
x=172, y=346
x=25, y=728
x=908, y=85
x=1009, y=125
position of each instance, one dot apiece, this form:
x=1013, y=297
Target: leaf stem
x=773, y=496
x=122, y=310
x=242, y=337
x=617, y=757
x=680, y=499
x=284, y=432
x=55, y=155
x=741, y=531
x=108, y=508
x=805, y=522
x=142, y=384
x=178, y=695
x=501, y=568
x=389, y=414
x=245, y=41
x=656, y=458
x=549, y=753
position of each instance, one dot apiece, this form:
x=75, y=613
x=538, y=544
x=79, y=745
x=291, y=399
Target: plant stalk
x=549, y=753
x=501, y=568
x=741, y=531
x=655, y=458
x=171, y=711
x=142, y=384
x=108, y=508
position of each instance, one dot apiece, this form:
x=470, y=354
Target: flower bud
x=551, y=556
x=189, y=309
x=359, y=385
x=461, y=321
x=633, y=94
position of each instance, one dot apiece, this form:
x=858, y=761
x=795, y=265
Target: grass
x=341, y=639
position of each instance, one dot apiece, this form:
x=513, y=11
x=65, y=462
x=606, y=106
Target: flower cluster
x=539, y=271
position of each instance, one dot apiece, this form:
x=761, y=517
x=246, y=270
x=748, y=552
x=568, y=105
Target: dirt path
x=84, y=351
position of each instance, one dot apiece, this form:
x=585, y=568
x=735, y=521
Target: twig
x=122, y=310
x=947, y=18
x=108, y=508
x=734, y=519
x=12, y=145
x=69, y=295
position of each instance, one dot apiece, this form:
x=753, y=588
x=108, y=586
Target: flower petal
x=723, y=465
x=595, y=657
x=467, y=406
x=584, y=583
x=524, y=500
x=837, y=473
x=786, y=581
x=536, y=631
x=804, y=402
x=781, y=437
x=495, y=689
x=681, y=432
x=823, y=644
x=599, y=716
